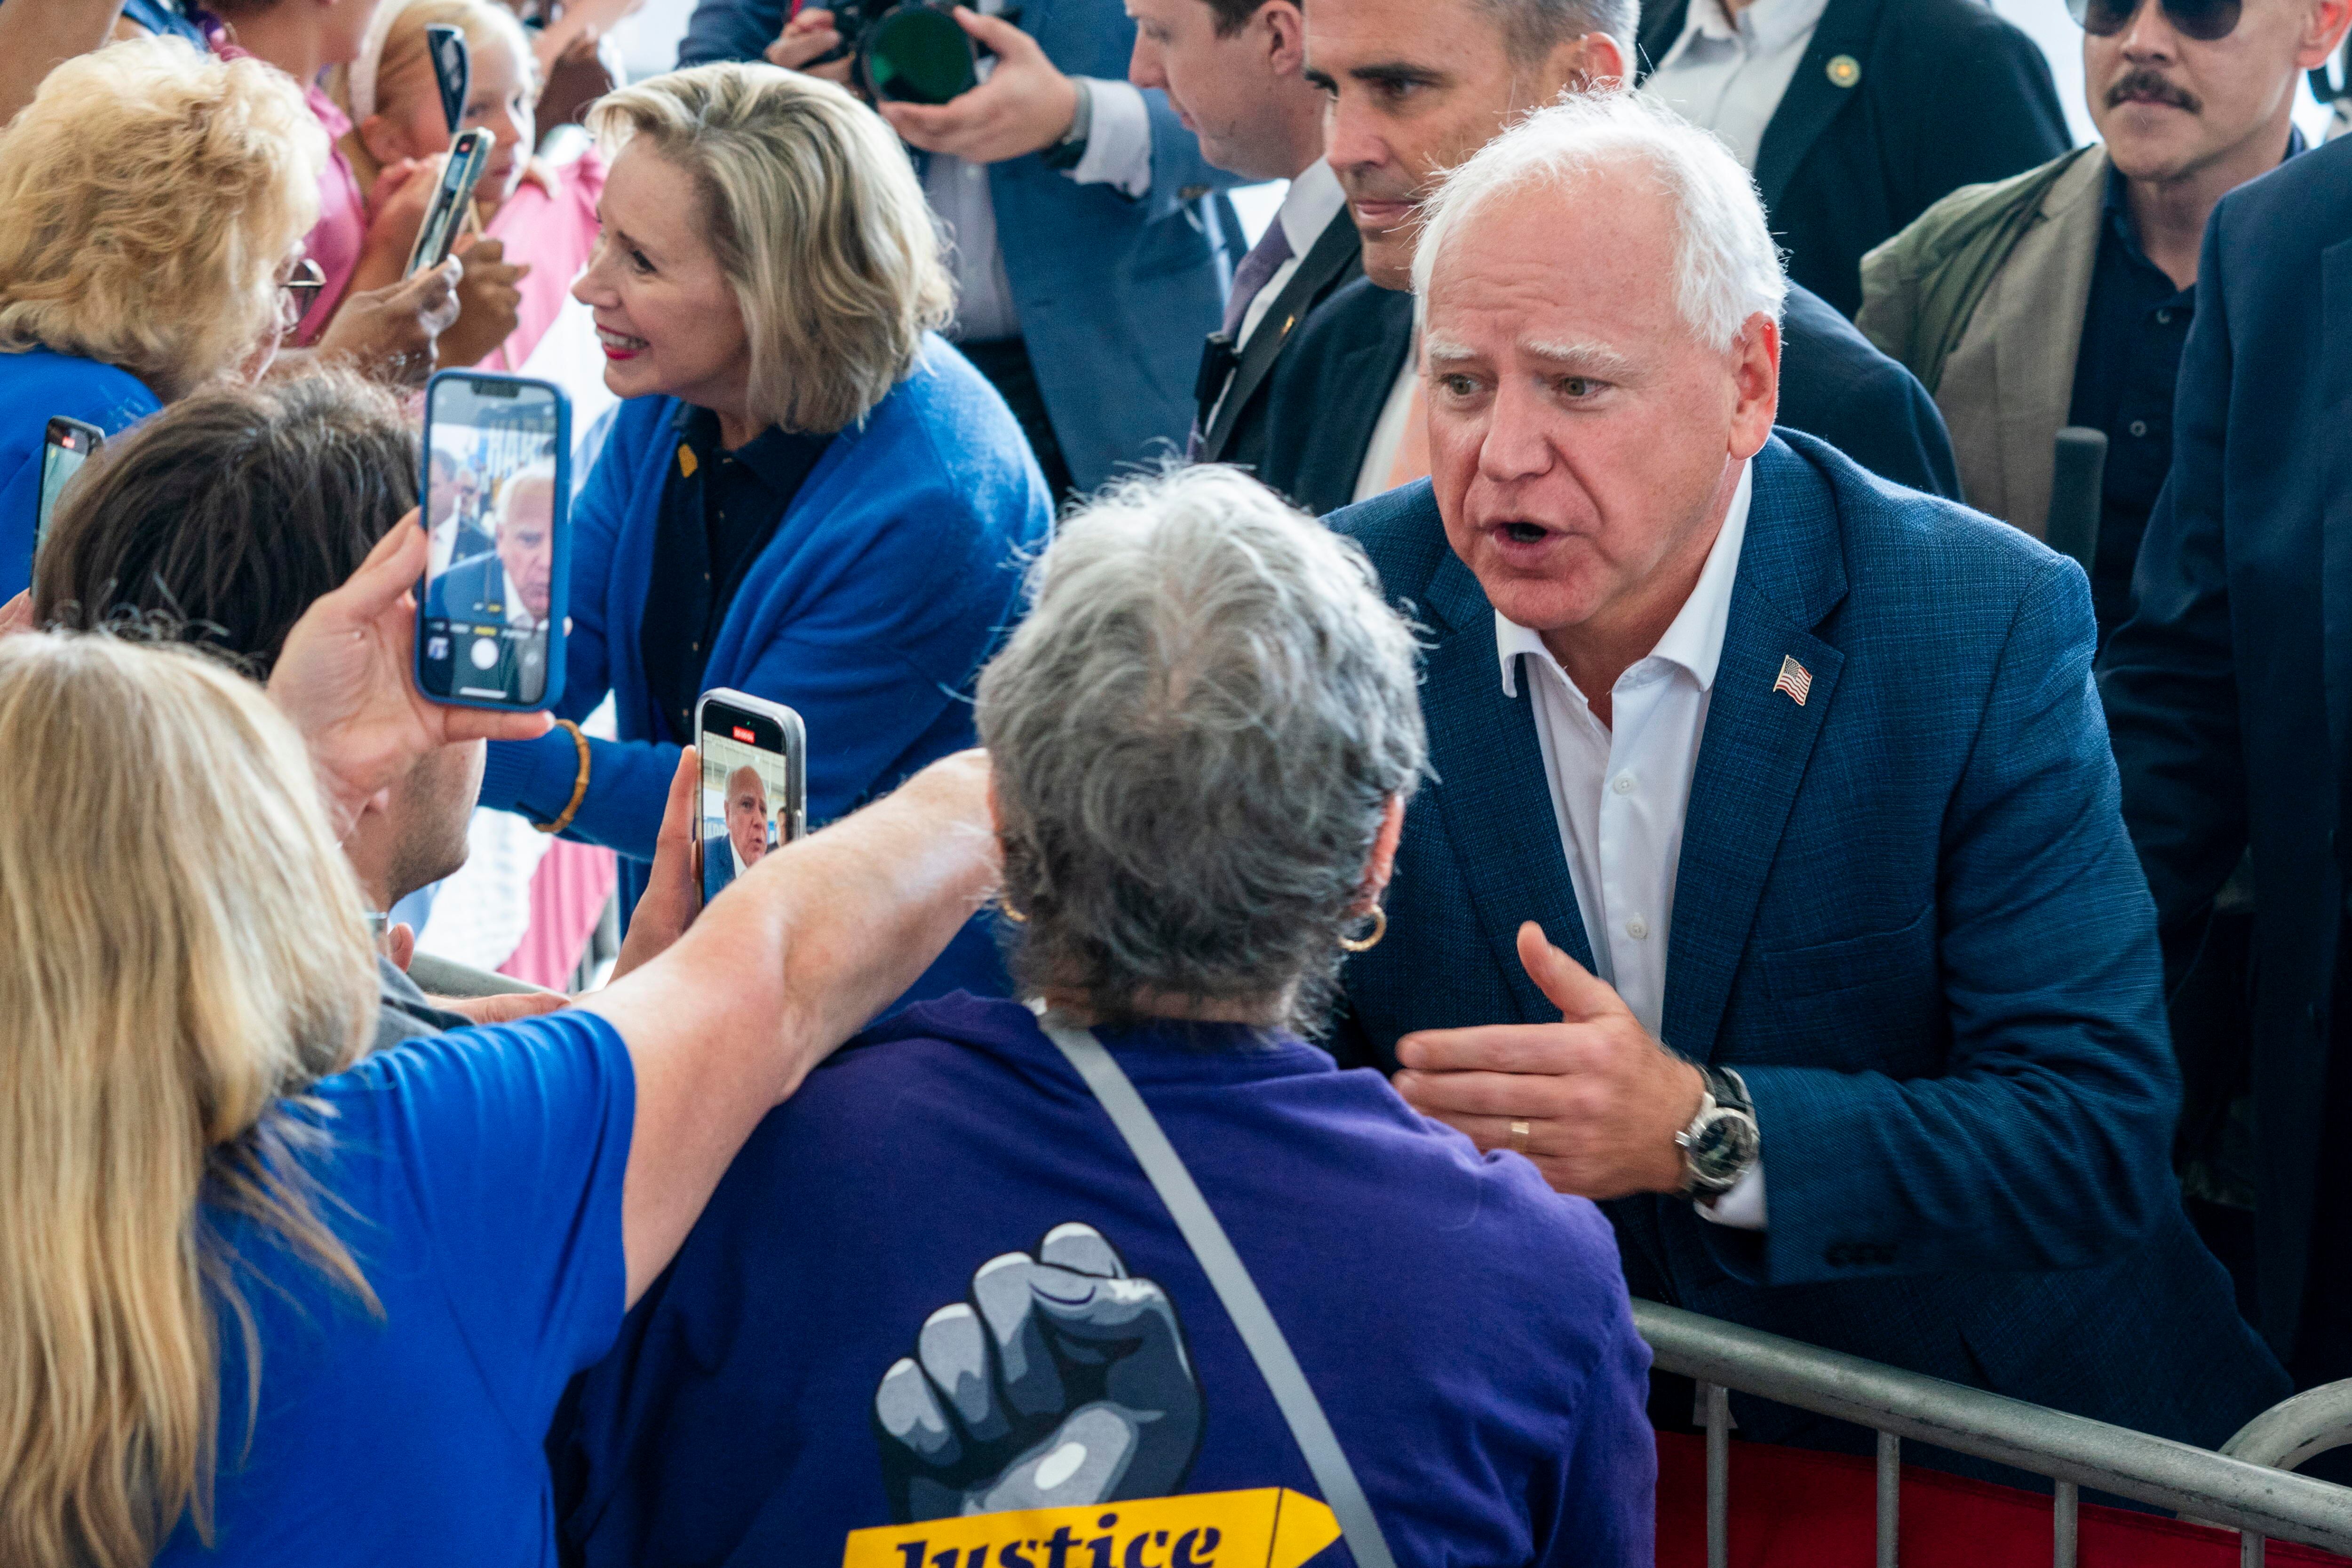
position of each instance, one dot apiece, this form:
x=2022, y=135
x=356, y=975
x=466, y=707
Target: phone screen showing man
x=745, y=789
x=494, y=504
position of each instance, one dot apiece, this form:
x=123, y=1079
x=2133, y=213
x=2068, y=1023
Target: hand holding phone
x=753, y=796
x=497, y=491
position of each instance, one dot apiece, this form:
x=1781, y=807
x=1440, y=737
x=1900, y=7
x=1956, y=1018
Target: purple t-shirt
x=903, y=1305
x=476, y=1178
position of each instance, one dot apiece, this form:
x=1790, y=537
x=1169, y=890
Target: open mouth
x=620, y=345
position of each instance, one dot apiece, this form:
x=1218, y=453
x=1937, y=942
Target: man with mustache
x=1415, y=88
x=2062, y=296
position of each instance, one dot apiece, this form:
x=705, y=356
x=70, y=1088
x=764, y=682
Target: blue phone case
x=559, y=607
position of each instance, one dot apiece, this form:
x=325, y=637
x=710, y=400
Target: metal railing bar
x=2250, y=1551
x=2144, y=1469
x=2062, y=1546
x=1890, y=1498
x=1718, y=1475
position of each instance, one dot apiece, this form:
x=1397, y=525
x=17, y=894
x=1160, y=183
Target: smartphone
x=68, y=445
x=453, y=70
x=754, y=794
x=468, y=156
x=497, y=489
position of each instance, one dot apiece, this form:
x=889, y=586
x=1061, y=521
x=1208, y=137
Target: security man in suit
x=1232, y=71
x=2229, y=694
x=1769, y=883
x=1978, y=295
x=1417, y=86
x=1093, y=243
x=1854, y=114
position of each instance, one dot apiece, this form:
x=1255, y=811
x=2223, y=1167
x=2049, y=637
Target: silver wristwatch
x=1721, y=1142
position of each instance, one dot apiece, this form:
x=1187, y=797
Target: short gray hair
x=817, y=221
x=1533, y=28
x=1195, y=735
x=1726, y=267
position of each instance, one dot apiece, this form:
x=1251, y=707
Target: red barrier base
x=1791, y=1508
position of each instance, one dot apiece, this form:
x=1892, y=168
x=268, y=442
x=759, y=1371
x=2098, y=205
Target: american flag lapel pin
x=1795, y=680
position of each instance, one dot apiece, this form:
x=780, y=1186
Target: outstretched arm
x=806, y=948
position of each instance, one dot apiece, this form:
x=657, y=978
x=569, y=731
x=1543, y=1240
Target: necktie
x=1264, y=259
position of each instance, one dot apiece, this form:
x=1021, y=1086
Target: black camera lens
x=918, y=53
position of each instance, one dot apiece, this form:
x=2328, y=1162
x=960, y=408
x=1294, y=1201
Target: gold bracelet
x=579, y=785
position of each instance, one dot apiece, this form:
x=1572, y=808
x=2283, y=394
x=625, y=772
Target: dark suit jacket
x=2229, y=691
x=1907, y=911
x=1947, y=94
x=1330, y=388
x=1233, y=429
x=474, y=591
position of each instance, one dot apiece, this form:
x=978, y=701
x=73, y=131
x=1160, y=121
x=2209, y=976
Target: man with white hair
x=1771, y=883
x=512, y=586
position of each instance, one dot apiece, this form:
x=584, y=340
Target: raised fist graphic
x=1060, y=1382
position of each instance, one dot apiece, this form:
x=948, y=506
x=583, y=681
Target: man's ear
x=1756, y=377
x=1589, y=64
x=1285, y=28
x=2323, y=31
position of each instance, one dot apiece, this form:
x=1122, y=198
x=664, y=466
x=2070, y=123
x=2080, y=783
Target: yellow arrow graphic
x=1271, y=1527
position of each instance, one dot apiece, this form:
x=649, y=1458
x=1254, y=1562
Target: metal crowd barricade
x=2236, y=1489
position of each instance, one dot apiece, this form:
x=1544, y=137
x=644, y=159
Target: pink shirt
x=335, y=243
x=556, y=235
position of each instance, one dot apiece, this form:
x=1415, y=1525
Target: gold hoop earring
x=1366, y=944
x=1008, y=912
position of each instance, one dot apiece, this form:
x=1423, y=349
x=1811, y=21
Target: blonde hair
x=403, y=65
x=152, y=192
x=817, y=221
x=181, y=948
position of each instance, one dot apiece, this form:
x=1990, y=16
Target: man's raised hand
x=1603, y=1100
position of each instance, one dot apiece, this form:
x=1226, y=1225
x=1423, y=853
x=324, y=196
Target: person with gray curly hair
x=938, y=1287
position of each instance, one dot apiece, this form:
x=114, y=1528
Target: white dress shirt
x=1310, y=203
x=1388, y=431
x=1620, y=791
x=1728, y=75
x=1119, y=154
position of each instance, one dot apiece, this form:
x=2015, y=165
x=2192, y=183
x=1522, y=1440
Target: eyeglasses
x=2203, y=20
x=300, y=290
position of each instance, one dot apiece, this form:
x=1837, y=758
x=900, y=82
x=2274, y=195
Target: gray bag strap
x=1198, y=1223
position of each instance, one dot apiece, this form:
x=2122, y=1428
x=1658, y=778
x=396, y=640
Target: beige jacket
x=2008, y=385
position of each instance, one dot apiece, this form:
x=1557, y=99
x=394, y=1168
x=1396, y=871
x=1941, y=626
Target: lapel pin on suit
x=1795, y=680
x=1844, y=72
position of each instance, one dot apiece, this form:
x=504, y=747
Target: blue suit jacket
x=2229, y=691
x=886, y=585
x=1115, y=295
x=1906, y=912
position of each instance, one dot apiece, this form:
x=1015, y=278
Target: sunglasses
x=2203, y=20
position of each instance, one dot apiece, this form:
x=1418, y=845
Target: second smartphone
x=498, y=509
x=754, y=793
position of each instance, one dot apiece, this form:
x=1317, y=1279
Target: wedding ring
x=1518, y=1137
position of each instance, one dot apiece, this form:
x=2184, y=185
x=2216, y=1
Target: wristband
x=579, y=784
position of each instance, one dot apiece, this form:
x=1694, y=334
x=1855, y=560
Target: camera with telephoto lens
x=909, y=51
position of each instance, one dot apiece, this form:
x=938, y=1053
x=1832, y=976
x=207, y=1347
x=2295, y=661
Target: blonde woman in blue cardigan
x=808, y=494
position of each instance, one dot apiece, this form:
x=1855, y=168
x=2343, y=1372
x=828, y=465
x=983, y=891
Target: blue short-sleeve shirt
x=476, y=1178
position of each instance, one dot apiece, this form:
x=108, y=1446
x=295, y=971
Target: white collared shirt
x=1388, y=430
x=1728, y=75
x=1313, y=200
x=1620, y=791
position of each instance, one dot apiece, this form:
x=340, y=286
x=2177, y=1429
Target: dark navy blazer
x=2230, y=692
x=1907, y=911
